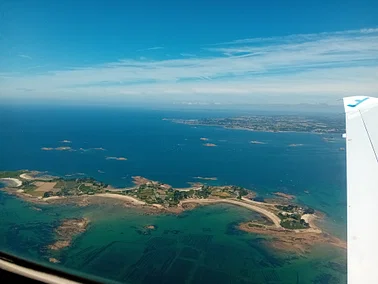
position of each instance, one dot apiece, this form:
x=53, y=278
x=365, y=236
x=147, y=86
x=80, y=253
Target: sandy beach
x=13, y=182
x=121, y=197
x=260, y=210
x=276, y=220
x=26, y=176
x=310, y=219
x=53, y=198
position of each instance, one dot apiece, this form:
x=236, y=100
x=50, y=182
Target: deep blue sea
x=174, y=154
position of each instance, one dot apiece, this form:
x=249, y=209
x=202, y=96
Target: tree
x=204, y=192
x=242, y=191
x=191, y=193
x=48, y=194
x=309, y=211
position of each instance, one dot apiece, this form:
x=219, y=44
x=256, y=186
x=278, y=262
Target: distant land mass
x=274, y=123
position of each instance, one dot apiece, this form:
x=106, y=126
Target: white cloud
x=25, y=56
x=188, y=54
x=152, y=48
x=300, y=67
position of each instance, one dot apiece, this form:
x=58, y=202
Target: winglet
x=352, y=104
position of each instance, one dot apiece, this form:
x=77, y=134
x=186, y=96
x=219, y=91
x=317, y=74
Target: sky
x=188, y=51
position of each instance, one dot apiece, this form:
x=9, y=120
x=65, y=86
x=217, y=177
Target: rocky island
x=289, y=223
x=210, y=145
x=67, y=231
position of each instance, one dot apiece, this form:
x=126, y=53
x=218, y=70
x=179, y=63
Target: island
x=210, y=145
x=257, y=142
x=285, y=195
x=273, y=123
x=66, y=232
x=206, y=178
x=295, y=145
x=116, y=158
x=64, y=148
x=292, y=225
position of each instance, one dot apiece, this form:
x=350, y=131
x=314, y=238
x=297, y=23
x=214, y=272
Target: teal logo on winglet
x=357, y=102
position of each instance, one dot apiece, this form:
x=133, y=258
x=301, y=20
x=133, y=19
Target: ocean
x=198, y=246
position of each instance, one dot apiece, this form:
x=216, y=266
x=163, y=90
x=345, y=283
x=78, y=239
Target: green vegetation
x=85, y=189
x=80, y=186
x=28, y=186
x=291, y=216
x=48, y=194
x=63, y=186
x=294, y=224
x=242, y=192
x=222, y=194
x=287, y=208
x=150, y=192
x=309, y=211
x=204, y=192
x=11, y=174
x=275, y=123
x=146, y=193
x=153, y=192
x=157, y=193
x=59, y=184
x=252, y=225
x=35, y=193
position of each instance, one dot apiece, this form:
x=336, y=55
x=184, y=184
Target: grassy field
x=15, y=174
x=222, y=194
x=34, y=193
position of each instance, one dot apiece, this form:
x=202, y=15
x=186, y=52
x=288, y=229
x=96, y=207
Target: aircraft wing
x=362, y=188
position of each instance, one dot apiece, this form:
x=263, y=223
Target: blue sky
x=188, y=51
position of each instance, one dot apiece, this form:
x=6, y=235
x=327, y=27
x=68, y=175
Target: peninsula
x=273, y=123
x=288, y=222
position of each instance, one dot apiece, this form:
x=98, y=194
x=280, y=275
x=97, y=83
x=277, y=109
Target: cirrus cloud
x=305, y=67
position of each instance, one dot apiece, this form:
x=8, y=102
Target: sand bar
x=275, y=219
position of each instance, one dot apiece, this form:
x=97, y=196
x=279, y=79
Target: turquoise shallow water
x=199, y=246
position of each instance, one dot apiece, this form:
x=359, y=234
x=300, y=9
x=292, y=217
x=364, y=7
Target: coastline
x=121, y=197
x=244, y=202
x=12, y=182
x=66, y=232
x=310, y=219
x=276, y=221
x=289, y=223
x=299, y=241
x=253, y=130
x=26, y=176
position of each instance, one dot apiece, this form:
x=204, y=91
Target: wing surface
x=362, y=188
